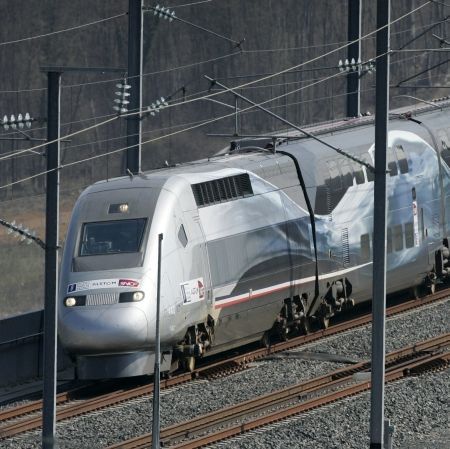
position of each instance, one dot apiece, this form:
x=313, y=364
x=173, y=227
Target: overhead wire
x=236, y=87
x=441, y=3
x=218, y=58
x=171, y=16
x=191, y=4
x=190, y=128
x=153, y=131
x=194, y=95
x=209, y=121
x=76, y=27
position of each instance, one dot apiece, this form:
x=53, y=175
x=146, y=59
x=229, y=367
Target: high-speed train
x=267, y=238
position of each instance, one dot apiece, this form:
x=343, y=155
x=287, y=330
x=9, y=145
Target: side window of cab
x=182, y=236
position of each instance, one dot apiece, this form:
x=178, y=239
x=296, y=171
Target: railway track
x=232, y=421
x=28, y=417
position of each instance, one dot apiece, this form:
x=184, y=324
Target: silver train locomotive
x=267, y=238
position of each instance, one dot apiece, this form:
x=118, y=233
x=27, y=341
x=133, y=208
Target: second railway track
x=243, y=417
x=27, y=417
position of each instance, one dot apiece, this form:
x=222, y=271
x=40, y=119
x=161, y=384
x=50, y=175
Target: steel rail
x=221, y=368
x=400, y=363
x=307, y=406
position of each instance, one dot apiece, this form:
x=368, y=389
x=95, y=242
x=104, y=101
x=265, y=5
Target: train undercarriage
x=294, y=319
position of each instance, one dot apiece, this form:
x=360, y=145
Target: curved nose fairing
x=104, y=329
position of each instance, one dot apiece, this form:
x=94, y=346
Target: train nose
x=85, y=330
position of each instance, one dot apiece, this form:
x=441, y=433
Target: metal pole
x=135, y=40
x=156, y=374
x=51, y=262
x=379, y=240
x=354, y=52
x=236, y=116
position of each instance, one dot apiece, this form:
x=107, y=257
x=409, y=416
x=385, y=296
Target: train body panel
x=239, y=251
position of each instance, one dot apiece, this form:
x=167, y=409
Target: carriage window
x=391, y=162
x=398, y=237
x=445, y=145
x=112, y=237
x=322, y=205
x=401, y=157
x=409, y=235
x=336, y=191
x=335, y=175
x=365, y=248
x=182, y=237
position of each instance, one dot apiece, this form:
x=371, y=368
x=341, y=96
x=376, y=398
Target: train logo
x=193, y=291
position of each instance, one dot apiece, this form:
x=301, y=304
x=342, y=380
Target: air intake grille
x=221, y=190
x=99, y=299
x=345, y=247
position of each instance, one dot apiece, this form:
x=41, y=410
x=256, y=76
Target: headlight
x=70, y=301
x=138, y=296
x=131, y=296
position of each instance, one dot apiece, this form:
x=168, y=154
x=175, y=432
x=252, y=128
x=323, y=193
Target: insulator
x=5, y=123
x=123, y=86
x=28, y=120
x=24, y=235
x=20, y=121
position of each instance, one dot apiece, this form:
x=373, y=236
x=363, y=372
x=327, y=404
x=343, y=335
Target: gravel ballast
x=417, y=407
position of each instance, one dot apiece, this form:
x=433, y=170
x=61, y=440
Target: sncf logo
x=128, y=283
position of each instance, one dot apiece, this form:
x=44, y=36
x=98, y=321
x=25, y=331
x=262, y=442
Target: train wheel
x=305, y=326
x=189, y=363
x=265, y=340
x=324, y=322
x=432, y=288
x=415, y=292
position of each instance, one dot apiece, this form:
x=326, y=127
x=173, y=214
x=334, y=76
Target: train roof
x=253, y=152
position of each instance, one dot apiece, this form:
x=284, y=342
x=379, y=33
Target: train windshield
x=112, y=237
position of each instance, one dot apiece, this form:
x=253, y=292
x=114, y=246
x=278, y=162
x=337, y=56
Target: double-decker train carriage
x=242, y=256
